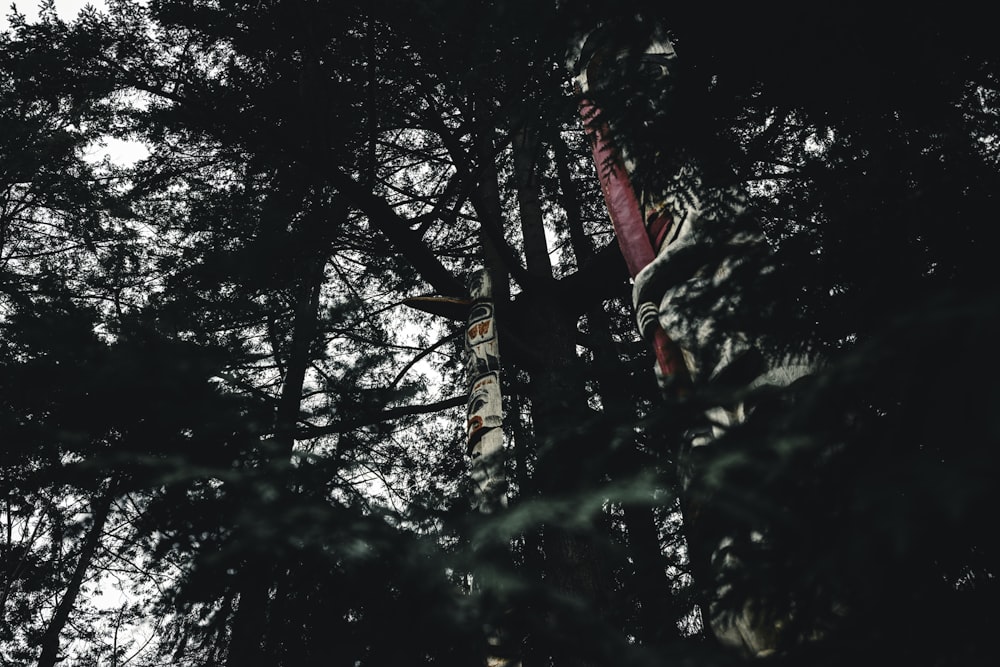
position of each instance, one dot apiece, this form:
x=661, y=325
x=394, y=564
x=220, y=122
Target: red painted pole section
x=619, y=196
x=630, y=229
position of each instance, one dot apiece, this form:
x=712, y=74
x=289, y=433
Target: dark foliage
x=208, y=386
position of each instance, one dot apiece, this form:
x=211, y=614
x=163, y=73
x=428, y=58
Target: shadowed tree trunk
x=567, y=455
x=649, y=582
x=247, y=644
x=99, y=509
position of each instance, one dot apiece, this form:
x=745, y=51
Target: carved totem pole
x=484, y=406
x=641, y=230
x=653, y=229
x=484, y=409
x=481, y=381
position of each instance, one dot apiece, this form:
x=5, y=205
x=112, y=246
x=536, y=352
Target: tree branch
x=385, y=415
x=396, y=229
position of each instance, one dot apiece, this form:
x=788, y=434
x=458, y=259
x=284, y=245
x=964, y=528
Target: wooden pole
x=484, y=409
x=639, y=238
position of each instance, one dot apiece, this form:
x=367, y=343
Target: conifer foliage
x=227, y=441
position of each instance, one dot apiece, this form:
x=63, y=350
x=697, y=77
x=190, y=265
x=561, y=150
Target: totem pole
x=484, y=406
x=484, y=409
x=652, y=230
x=639, y=236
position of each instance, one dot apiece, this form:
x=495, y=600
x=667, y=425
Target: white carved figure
x=709, y=347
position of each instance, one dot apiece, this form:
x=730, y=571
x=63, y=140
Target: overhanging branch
x=396, y=229
x=346, y=425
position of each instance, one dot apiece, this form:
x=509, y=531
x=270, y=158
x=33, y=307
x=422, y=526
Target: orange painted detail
x=475, y=424
x=479, y=329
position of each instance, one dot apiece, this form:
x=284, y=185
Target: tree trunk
x=100, y=508
x=249, y=633
x=486, y=201
x=532, y=564
x=568, y=466
x=526, y=151
x=657, y=613
x=246, y=644
x=569, y=458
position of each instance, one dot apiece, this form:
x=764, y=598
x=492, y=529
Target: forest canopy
x=226, y=439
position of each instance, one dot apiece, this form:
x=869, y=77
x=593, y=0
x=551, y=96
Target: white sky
x=67, y=9
x=120, y=152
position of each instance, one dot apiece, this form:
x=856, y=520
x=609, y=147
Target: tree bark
x=657, y=613
x=533, y=563
x=526, y=150
x=486, y=201
x=249, y=633
x=100, y=508
x=567, y=466
x=569, y=459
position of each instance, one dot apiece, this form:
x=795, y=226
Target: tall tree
x=299, y=473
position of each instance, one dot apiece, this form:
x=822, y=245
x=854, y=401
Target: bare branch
x=385, y=415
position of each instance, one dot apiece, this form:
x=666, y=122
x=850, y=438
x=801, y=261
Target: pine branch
x=385, y=415
x=397, y=231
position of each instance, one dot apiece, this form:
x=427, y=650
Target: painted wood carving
x=659, y=234
x=484, y=409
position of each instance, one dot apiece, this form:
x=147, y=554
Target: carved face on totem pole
x=484, y=407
